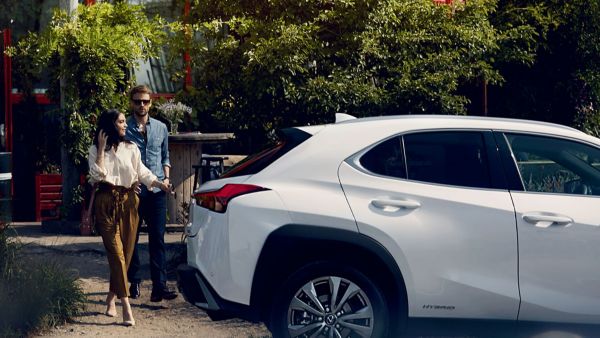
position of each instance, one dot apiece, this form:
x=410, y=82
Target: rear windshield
x=288, y=139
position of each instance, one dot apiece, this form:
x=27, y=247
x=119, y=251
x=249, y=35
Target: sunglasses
x=138, y=102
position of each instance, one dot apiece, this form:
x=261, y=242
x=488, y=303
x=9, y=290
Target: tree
x=563, y=83
x=260, y=65
x=93, y=52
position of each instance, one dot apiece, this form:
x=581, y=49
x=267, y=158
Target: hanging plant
x=93, y=52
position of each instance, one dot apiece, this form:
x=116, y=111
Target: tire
x=360, y=310
x=217, y=316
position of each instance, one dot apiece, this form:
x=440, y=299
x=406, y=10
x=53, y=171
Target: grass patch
x=34, y=295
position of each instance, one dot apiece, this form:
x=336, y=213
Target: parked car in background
x=350, y=229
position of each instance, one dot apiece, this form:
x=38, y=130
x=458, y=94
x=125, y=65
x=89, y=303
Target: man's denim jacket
x=155, y=151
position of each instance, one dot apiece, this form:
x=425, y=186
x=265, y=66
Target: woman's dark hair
x=107, y=122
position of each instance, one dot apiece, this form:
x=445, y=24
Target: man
x=151, y=137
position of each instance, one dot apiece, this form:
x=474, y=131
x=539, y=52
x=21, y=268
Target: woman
x=115, y=164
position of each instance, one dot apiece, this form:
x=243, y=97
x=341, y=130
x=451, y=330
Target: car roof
x=403, y=123
x=468, y=121
x=451, y=121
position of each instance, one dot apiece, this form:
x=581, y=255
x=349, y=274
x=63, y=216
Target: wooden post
x=8, y=105
x=484, y=98
x=182, y=156
x=8, y=117
x=186, y=55
x=68, y=168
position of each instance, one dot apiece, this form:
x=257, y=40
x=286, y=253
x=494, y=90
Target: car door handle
x=386, y=204
x=544, y=221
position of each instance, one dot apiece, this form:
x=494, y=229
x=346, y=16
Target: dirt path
x=175, y=318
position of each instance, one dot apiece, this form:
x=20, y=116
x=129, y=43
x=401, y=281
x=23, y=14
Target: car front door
x=558, y=220
x=437, y=202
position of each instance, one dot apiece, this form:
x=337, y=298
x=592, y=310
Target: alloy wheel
x=330, y=306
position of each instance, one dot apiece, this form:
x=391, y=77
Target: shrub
x=34, y=295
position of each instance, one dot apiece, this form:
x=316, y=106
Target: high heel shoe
x=111, y=307
x=111, y=310
x=129, y=322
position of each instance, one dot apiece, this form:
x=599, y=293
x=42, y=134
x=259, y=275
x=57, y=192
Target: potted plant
x=173, y=112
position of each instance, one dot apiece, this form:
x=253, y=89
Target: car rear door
x=437, y=201
x=558, y=220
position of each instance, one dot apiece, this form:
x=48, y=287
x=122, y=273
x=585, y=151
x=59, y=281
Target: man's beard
x=140, y=112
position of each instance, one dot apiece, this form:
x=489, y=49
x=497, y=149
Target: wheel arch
x=292, y=246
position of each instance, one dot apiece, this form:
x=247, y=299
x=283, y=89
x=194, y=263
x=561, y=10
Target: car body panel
x=226, y=246
x=459, y=245
x=312, y=202
x=558, y=276
x=559, y=271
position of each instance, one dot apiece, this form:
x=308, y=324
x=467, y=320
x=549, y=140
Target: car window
x=386, y=159
x=454, y=158
x=288, y=139
x=554, y=165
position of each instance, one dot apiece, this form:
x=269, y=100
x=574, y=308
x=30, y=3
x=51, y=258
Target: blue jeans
x=153, y=210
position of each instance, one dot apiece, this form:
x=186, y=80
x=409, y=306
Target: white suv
x=347, y=229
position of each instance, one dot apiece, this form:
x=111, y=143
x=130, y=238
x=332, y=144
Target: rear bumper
x=197, y=291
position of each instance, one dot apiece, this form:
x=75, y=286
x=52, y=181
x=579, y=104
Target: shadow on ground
x=447, y=328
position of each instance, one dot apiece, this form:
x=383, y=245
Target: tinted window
x=454, y=158
x=288, y=139
x=386, y=159
x=555, y=165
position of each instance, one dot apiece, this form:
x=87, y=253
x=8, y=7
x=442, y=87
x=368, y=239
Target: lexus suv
x=352, y=229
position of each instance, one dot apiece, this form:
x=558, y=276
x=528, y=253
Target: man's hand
x=168, y=188
x=168, y=183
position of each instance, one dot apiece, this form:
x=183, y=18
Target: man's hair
x=143, y=89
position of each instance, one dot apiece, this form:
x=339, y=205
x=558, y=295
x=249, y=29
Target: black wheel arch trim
x=277, y=243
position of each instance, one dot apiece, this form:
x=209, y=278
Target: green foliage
x=34, y=295
x=93, y=52
x=260, y=65
x=563, y=84
x=585, y=83
x=523, y=26
x=8, y=253
x=587, y=119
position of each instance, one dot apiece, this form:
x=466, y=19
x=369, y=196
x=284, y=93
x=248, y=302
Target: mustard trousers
x=116, y=215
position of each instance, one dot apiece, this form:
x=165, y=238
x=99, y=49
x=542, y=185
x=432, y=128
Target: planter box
x=48, y=196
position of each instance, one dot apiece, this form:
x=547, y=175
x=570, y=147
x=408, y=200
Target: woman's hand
x=102, y=139
x=137, y=187
x=163, y=186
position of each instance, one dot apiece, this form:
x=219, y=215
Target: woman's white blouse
x=122, y=167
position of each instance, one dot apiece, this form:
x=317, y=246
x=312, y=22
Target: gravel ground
x=177, y=318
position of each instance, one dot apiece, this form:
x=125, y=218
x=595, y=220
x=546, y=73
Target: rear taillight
x=217, y=200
